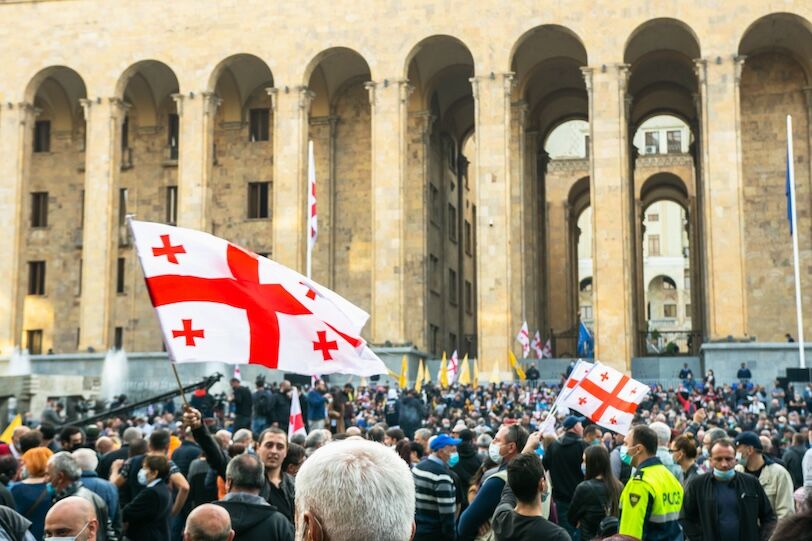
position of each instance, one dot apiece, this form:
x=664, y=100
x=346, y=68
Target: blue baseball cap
x=443, y=440
x=572, y=420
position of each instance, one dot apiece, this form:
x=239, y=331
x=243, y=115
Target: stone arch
x=56, y=90
x=774, y=82
x=664, y=186
x=236, y=80
x=540, y=45
x=648, y=36
x=435, y=61
x=148, y=86
x=780, y=32
x=330, y=73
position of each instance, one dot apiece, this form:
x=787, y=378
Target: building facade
x=443, y=211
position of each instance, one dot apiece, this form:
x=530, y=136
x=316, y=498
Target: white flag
x=524, y=339
x=535, y=345
x=296, y=421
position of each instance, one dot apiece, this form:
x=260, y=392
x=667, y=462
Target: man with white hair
x=88, y=462
x=663, y=432
x=64, y=475
x=383, y=510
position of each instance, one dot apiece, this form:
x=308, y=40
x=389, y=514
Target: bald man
x=104, y=445
x=72, y=517
x=208, y=523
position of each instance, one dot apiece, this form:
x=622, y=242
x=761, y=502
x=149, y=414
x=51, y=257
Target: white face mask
x=142, y=477
x=68, y=538
x=493, y=452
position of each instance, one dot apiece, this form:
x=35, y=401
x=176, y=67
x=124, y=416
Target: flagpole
x=794, y=218
x=308, y=211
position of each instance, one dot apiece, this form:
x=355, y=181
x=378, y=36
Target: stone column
x=494, y=284
x=725, y=277
x=196, y=156
x=388, y=113
x=104, y=118
x=611, y=199
x=16, y=133
x=291, y=108
x=518, y=211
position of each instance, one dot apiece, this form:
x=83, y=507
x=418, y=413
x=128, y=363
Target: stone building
x=441, y=212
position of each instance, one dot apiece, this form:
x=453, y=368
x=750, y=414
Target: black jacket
x=255, y=520
x=279, y=410
x=566, y=453
x=511, y=526
x=243, y=402
x=793, y=457
x=13, y=523
x=282, y=498
x=148, y=514
x=590, y=503
x=185, y=455
x=700, y=519
x=468, y=465
x=215, y=455
x=410, y=416
x=106, y=461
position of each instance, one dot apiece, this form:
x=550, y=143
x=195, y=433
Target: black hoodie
x=566, y=454
x=254, y=519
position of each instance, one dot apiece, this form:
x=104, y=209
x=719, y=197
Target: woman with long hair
x=597, y=496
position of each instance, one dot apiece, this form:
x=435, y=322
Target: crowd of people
x=701, y=461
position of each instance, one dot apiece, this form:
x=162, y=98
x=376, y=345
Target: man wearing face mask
x=563, y=461
x=651, y=501
x=774, y=478
x=726, y=505
x=435, y=504
x=71, y=519
x=64, y=476
x=507, y=444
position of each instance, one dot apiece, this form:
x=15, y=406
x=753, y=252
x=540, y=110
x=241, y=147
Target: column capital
x=273, y=93
x=370, y=86
x=178, y=99
x=738, y=65
x=586, y=73
x=211, y=102
x=701, y=70
x=305, y=98
x=506, y=78
x=427, y=122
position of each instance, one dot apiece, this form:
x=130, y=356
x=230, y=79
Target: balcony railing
x=660, y=343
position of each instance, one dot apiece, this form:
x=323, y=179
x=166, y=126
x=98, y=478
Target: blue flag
x=789, y=195
x=586, y=344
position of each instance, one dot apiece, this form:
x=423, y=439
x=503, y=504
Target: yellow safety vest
x=655, y=490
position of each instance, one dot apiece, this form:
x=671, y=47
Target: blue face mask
x=583, y=468
x=625, y=457
x=724, y=475
x=51, y=490
x=454, y=459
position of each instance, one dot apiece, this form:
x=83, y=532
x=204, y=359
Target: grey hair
x=383, y=511
x=131, y=435
x=86, y=458
x=422, y=433
x=715, y=434
x=662, y=431
x=64, y=462
x=315, y=439
x=246, y=471
x=484, y=440
x=243, y=436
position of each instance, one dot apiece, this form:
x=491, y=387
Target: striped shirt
x=435, y=499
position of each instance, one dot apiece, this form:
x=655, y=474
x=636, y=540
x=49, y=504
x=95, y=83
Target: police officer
x=651, y=502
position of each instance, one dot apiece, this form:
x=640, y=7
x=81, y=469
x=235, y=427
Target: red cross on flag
x=524, y=339
x=296, y=421
x=535, y=345
x=547, y=352
x=217, y=302
x=608, y=397
x=453, y=367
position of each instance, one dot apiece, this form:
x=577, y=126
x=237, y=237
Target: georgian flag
x=453, y=367
x=535, y=345
x=217, y=302
x=296, y=421
x=547, y=352
x=608, y=397
x=524, y=339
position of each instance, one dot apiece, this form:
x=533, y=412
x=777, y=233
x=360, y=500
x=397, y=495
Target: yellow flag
x=404, y=372
x=515, y=364
x=426, y=374
x=494, y=377
x=17, y=422
x=443, y=375
x=418, y=382
x=465, y=372
x=476, y=373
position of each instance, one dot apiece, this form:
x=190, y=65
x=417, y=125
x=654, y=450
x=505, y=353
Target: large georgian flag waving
x=219, y=302
x=608, y=397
